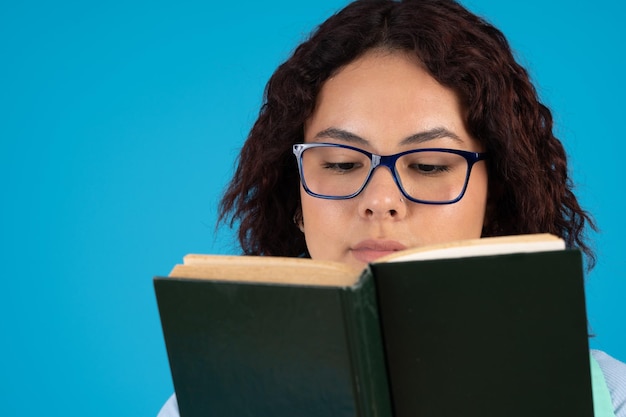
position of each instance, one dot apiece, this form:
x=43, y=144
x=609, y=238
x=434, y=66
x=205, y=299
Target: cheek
x=324, y=226
x=475, y=200
x=462, y=220
x=446, y=223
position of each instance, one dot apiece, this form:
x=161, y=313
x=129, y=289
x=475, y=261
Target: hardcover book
x=486, y=327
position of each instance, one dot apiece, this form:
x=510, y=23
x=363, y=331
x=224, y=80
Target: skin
x=376, y=103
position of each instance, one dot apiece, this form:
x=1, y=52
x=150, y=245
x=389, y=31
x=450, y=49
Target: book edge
x=498, y=245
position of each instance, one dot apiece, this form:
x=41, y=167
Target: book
x=485, y=327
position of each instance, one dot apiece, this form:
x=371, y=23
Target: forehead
x=385, y=96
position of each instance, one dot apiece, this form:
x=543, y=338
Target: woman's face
x=376, y=103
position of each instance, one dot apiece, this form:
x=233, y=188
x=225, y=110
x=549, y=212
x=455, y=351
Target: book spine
x=367, y=349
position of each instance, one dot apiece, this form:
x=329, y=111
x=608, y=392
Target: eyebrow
x=420, y=137
x=431, y=134
x=334, y=133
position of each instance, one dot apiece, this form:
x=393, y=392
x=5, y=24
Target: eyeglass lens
x=426, y=175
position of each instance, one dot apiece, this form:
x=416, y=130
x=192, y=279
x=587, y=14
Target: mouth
x=369, y=250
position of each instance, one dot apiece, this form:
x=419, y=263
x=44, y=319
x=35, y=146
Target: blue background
x=119, y=125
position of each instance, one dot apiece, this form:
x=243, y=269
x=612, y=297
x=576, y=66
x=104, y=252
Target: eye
x=429, y=169
x=430, y=163
x=342, y=167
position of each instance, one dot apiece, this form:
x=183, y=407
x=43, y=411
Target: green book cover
x=486, y=336
x=250, y=349
x=478, y=336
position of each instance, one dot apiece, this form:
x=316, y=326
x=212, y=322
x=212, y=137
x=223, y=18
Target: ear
x=298, y=220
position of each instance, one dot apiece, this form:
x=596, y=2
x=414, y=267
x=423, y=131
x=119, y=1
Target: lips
x=369, y=250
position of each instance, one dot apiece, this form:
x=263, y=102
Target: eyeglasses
x=428, y=176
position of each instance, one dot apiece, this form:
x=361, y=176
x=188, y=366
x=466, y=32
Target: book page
x=301, y=271
x=269, y=269
x=500, y=245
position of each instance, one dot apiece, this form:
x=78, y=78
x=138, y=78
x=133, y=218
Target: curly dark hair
x=529, y=188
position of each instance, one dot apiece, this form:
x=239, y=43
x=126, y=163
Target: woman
x=394, y=78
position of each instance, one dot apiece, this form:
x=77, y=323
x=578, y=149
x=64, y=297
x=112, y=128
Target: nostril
x=392, y=212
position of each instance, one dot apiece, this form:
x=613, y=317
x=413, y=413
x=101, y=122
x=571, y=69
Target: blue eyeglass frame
x=388, y=161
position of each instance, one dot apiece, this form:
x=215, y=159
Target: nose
x=382, y=199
